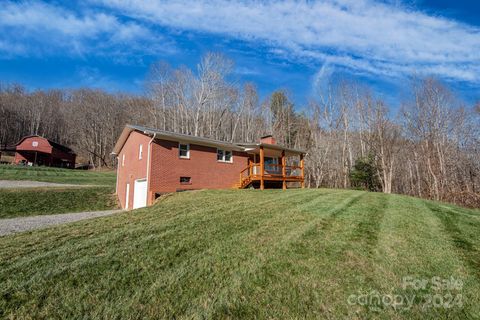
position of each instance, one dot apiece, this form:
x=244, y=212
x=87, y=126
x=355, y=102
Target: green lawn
x=57, y=175
x=39, y=201
x=249, y=254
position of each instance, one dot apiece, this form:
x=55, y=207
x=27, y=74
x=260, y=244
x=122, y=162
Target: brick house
x=37, y=150
x=151, y=162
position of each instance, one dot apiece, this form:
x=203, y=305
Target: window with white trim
x=123, y=160
x=184, y=150
x=224, y=155
x=140, y=151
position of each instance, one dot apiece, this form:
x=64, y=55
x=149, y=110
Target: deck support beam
x=302, y=168
x=262, y=168
x=284, y=173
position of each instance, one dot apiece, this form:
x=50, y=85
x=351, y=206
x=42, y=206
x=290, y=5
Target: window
x=271, y=165
x=123, y=160
x=224, y=155
x=184, y=151
x=220, y=154
x=185, y=180
x=34, y=143
x=228, y=156
x=140, y=152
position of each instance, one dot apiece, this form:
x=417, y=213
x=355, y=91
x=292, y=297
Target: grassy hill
x=248, y=253
x=95, y=191
x=40, y=201
x=57, y=175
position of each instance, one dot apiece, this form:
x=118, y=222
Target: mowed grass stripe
x=412, y=243
x=457, y=230
x=462, y=232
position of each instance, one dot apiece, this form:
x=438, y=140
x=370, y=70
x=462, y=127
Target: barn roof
x=168, y=135
x=52, y=143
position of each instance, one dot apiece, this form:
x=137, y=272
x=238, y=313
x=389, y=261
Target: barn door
x=140, y=194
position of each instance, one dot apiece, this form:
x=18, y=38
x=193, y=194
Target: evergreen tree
x=364, y=174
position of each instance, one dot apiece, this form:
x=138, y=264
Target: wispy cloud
x=245, y=71
x=36, y=28
x=366, y=36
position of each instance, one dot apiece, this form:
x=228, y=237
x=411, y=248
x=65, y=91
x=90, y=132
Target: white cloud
x=363, y=35
x=36, y=28
x=321, y=79
x=242, y=70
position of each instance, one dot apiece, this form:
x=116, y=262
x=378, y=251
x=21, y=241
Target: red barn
x=152, y=162
x=36, y=150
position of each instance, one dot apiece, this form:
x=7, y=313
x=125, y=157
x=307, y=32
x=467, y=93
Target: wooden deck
x=271, y=172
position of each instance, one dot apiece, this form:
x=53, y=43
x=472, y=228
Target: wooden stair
x=245, y=183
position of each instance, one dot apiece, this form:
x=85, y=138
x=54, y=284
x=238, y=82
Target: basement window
x=184, y=151
x=224, y=155
x=185, y=180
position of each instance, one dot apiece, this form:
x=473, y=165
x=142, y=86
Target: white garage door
x=140, y=194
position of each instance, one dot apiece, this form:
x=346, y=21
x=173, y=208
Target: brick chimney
x=268, y=139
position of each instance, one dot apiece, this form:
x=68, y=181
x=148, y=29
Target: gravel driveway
x=13, y=225
x=33, y=184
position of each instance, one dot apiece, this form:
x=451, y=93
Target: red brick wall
x=269, y=140
x=203, y=168
x=134, y=168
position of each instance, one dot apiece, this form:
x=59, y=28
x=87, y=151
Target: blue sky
x=297, y=46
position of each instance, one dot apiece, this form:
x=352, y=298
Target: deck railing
x=270, y=172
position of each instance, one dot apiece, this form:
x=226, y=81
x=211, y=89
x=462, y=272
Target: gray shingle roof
x=181, y=137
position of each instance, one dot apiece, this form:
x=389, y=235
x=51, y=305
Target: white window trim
x=123, y=160
x=188, y=151
x=140, y=151
x=224, y=151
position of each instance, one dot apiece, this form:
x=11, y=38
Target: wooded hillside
x=428, y=148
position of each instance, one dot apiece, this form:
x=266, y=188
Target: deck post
x=262, y=167
x=284, y=173
x=302, y=168
x=250, y=167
